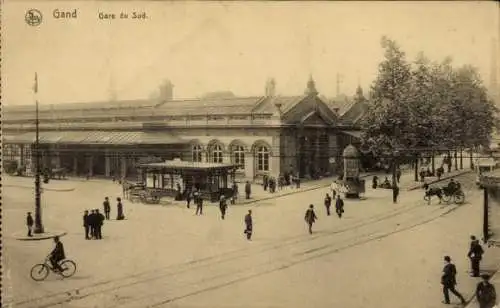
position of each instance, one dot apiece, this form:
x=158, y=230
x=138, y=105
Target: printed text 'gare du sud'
x=101, y=15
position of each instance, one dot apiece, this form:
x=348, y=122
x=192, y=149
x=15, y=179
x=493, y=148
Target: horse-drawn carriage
x=138, y=192
x=445, y=193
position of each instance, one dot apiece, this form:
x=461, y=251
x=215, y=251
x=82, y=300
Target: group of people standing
x=284, y=180
x=94, y=220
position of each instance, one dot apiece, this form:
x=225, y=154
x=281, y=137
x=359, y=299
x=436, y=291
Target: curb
x=319, y=186
x=47, y=189
x=440, y=180
x=38, y=237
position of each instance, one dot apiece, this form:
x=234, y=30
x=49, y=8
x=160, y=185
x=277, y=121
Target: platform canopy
x=95, y=138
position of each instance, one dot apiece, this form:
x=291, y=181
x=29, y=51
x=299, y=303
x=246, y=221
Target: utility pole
x=38, y=202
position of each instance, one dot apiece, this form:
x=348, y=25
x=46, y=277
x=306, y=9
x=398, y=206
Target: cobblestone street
x=169, y=256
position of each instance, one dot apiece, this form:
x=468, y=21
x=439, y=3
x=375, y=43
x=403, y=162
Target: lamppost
x=38, y=202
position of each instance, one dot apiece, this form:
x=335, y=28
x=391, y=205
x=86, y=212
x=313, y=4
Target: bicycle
x=40, y=271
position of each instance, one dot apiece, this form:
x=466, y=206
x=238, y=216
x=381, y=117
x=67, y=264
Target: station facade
x=262, y=135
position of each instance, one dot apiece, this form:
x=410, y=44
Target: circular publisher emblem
x=33, y=17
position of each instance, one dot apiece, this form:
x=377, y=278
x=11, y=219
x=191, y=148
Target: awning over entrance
x=95, y=137
x=187, y=165
x=353, y=133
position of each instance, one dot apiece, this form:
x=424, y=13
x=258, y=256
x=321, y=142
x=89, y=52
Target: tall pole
x=38, y=201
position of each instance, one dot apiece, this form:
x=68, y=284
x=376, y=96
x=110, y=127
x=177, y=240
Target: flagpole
x=38, y=202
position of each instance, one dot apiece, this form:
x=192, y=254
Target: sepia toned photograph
x=250, y=154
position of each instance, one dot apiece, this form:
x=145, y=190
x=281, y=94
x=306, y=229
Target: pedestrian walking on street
x=199, y=205
x=475, y=255
x=98, y=225
x=223, y=206
x=29, y=223
x=398, y=174
x=119, y=207
x=328, y=204
x=339, y=206
x=86, y=224
x=448, y=280
x=248, y=225
x=248, y=189
x=235, y=193
x=395, y=192
x=107, y=207
x=189, y=197
x=92, y=223
x=310, y=217
x=485, y=293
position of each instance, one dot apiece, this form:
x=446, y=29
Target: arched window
x=197, y=153
x=239, y=156
x=262, y=158
x=217, y=154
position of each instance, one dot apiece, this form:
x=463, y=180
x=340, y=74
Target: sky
x=235, y=46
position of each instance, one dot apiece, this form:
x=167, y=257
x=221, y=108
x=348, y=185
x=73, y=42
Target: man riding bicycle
x=57, y=254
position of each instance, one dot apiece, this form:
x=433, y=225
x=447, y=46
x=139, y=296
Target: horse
x=432, y=191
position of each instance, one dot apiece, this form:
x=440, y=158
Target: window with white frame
x=217, y=154
x=262, y=158
x=239, y=156
x=197, y=153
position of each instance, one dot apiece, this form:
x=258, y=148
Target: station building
x=262, y=135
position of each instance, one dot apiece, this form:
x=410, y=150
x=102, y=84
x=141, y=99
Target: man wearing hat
x=485, y=293
x=475, y=255
x=29, y=223
x=223, y=206
x=449, y=281
x=310, y=217
x=248, y=225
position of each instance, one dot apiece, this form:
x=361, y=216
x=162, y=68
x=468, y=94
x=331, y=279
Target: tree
x=422, y=124
x=387, y=115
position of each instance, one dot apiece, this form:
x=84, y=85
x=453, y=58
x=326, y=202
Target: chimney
x=167, y=91
x=271, y=87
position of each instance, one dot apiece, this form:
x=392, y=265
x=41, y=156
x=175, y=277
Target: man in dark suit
x=199, y=204
x=448, y=280
x=99, y=221
x=328, y=204
x=395, y=192
x=249, y=225
x=339, y=206
x=29, y=223
x=86, y=224
x=475, y=255
x=57, y=254
x=248, y=189
x=107, y=207
x=223, y=206
x=310, y=217
x=485, y=293
x=93, y=224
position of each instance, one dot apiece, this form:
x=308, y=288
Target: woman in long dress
x=119, y=211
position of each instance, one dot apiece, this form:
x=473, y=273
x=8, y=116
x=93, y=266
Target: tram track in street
x=235, y=254
x=224, y=258
x=229, y=276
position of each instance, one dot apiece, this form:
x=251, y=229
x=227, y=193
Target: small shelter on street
x=490, y=182
x=175, y=177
